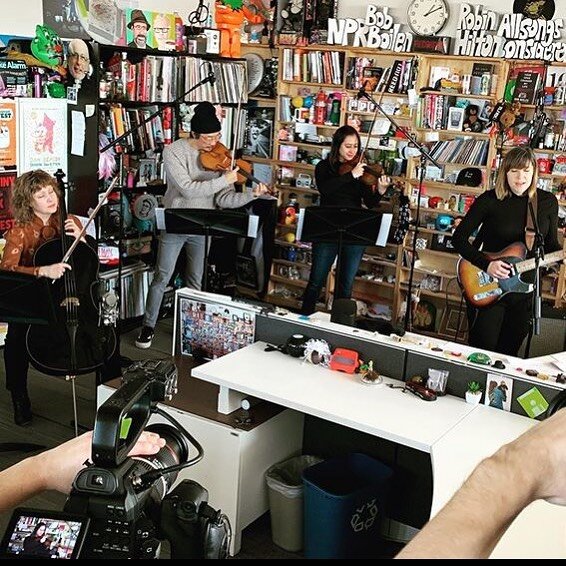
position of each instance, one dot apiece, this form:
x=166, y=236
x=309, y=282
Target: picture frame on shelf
x=455, y=118
x=147, y=171
x=454, y=322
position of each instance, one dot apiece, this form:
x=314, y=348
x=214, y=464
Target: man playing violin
x=189, y=185
x=35, y=205
x=341, y=188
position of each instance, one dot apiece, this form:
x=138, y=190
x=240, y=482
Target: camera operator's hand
x=56, y=468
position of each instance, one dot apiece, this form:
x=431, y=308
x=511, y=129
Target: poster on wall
x=210, y=329
x=150, y=30
x=8, y=128
x=62, y=16
x=7, y=179
x=42, y=134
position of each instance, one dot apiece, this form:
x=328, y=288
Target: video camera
x=120, y=507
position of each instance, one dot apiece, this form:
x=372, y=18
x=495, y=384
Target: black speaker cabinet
x=552, y=337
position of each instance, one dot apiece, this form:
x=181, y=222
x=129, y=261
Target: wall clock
x=427, y=17
x=256, y=70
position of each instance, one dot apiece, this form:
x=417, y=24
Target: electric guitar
x=482, y=290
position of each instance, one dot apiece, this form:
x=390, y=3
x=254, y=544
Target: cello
x=76, y=344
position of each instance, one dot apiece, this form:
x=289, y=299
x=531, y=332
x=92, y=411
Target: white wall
x=24, y=24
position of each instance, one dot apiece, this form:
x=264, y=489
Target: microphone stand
x=424, y=156
x=538, y=247
x=123, y=361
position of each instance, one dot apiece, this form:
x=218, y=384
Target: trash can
x=285, y=490
x=345, y=502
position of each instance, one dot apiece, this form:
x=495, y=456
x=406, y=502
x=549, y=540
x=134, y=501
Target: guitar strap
x=530, y=231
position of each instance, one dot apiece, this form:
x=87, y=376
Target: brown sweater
x=23, y=240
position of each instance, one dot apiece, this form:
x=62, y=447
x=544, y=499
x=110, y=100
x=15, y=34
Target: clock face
x=427, y=17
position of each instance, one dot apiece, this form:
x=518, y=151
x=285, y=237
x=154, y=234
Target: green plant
x=474, y=387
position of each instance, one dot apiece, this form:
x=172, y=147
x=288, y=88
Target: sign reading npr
x=377, y=30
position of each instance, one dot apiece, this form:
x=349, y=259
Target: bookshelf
x=148, y=89
x=440, y=83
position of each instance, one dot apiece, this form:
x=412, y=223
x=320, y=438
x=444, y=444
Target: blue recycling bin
x=345, y=500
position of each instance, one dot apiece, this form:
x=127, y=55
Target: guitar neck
x=530, y=264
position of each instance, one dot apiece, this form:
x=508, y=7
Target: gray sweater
x=191, y=186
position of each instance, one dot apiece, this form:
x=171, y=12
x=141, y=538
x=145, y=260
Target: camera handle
x=194, y=528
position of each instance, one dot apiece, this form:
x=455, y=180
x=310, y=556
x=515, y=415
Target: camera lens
x=175, y=451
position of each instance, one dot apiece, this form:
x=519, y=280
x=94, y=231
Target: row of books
x=116, y=120
x=163, y=79
x=134, y=286
x=470, y=152
x=397, y=78
x=325, y=67
x=433, y=110
x=228, y=88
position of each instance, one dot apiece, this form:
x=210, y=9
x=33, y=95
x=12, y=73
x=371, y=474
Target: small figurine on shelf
x=472, y=123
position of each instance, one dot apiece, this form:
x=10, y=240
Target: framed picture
x=454, y=322
x=455, y=118
x=147, y=172
x=209, y=326
x=424, y=317
x=42, y=134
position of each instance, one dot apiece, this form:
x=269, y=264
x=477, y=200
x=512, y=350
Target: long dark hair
x=339, y=136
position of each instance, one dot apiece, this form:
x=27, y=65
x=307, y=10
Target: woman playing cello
x=35, y=202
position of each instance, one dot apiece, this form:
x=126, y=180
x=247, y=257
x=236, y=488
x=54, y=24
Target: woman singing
x=502, y=216
x=35, y=203
x=345, y=190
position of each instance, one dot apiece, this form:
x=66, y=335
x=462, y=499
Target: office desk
x=338, y=397
x=540, y=530
x=456, y=434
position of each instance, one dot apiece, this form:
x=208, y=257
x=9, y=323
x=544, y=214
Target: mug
x=544, y=165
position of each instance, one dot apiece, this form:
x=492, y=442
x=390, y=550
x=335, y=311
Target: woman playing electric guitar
x=502, y=216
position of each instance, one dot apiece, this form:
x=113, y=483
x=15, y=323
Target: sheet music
x=160, y=218
x=253, y=225
x=386, y=220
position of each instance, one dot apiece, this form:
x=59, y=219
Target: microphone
x=211, y=77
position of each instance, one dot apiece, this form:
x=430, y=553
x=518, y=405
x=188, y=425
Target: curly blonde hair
x=25, y=186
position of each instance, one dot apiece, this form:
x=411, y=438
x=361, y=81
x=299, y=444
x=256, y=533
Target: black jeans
x=323, y=256
x=16, y=358
x=503, y=326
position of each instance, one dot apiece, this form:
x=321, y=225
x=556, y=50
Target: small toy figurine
x=368, y=374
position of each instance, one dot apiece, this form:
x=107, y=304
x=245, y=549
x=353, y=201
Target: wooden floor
x=53, y=418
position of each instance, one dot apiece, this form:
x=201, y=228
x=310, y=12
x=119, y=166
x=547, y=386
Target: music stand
x=344, y=225
x=207, y=223
x=27, y=300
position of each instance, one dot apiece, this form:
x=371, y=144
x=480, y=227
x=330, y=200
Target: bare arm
x=472, y=522
x=56, y=468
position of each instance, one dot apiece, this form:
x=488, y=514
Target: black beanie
x=205, y=120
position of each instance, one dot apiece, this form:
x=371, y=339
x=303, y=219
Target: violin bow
x=238, y=119
x=90, y=219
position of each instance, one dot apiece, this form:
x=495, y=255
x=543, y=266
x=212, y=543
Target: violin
x=219, y=158
x=371, y=173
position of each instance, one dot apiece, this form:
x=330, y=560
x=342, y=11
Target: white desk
x=456, y=434
x=540, y=530
x=337, y=397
